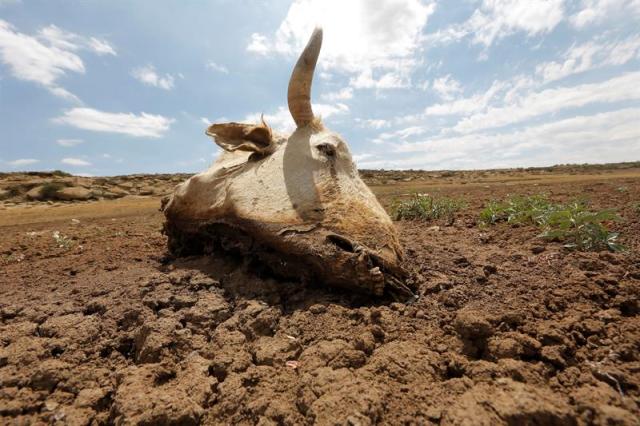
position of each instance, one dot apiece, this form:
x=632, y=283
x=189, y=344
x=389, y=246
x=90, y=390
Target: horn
x=299, y=93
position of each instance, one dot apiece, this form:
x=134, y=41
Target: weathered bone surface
x=295, y=202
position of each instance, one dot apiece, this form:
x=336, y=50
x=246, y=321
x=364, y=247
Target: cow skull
x=295, y=202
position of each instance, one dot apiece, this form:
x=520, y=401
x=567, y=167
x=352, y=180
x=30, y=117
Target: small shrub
x=61, y=173
x=517, y=209
x=62, y=241
x=426, y=207
x=572, y=224
x=50, y=189
x=581, y=229
x=14, y=191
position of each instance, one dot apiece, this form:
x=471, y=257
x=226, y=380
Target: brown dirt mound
x=98, y=326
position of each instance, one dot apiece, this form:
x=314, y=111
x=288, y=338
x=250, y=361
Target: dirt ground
x=99, y=326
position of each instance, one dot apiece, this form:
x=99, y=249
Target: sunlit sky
x=117, y=87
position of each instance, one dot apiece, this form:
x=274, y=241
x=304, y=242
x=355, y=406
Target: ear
x=243, y=137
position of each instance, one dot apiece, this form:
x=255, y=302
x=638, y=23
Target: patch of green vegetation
x=426, y=207
x=581, y=229
x=61, y=173
x=517, y=210
x=622, y=189
x=50, y=189
x=62, y=241
x=572, y=224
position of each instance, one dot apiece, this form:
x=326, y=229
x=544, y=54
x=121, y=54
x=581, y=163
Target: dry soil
x=98, y=325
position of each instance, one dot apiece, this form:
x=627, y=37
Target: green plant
x=581, y=229
x=62, y=241
x=572, y=224
x=426, y=207
x=61, y=173
x=50, y=189
x=517, y=209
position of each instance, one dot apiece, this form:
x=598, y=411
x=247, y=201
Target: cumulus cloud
x=75, y=162
x=142, y=125
x=374, y=41
x=67, y=143
x=259, y=44
x=211, y=65
x=446, y=87
x=148, y=75
x=281, y=119
x=605, y=137
x=373, y=123
x=47, y=56
x=23, y=162
x=597, y=11
x=67, y=40
x=497, y=19
x=586, y=56
x=101, y=47
x=622, y=88
x=340, y=95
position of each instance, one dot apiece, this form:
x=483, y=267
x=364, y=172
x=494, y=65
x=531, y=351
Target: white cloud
x=499, y=18
x=147, y=75
x=590, y=55
x=373, y=40
x=101, y=47
x=447, y=88
x=75, y=162
x=216, y=67
x=205, y=121
x=22, y=162
x=67, y=143
x=281, y=120
x=496, y=19
x=361, y=157
x=143, y=125
x=258, y=44
x=30, y=59
x=373, y=123
x=596, y=11
x=46, y=57
x=599, y=138
x=340, y=95
x=399, y=77
x=66, y=40
x=474, y=103
x=624, y=87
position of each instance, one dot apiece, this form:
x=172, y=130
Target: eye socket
x=327, y=149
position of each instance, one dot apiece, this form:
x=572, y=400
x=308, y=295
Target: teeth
x=375, y=271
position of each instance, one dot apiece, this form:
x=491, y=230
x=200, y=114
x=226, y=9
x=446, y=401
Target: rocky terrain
x=98, y=325
x=35, y=187
x=59, y=186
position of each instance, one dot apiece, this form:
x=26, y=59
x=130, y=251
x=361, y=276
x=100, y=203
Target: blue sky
x=105, y=88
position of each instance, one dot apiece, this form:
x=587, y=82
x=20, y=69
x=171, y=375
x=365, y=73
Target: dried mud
x=100, y=326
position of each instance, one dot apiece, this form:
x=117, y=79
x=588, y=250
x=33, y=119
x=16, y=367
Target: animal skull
x=295, y=202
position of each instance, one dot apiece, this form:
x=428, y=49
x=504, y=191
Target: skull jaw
x=306, y=253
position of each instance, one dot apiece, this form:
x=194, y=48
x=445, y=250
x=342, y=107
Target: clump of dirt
x=508, y=329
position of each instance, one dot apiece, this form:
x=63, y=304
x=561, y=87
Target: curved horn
x=299, y=94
